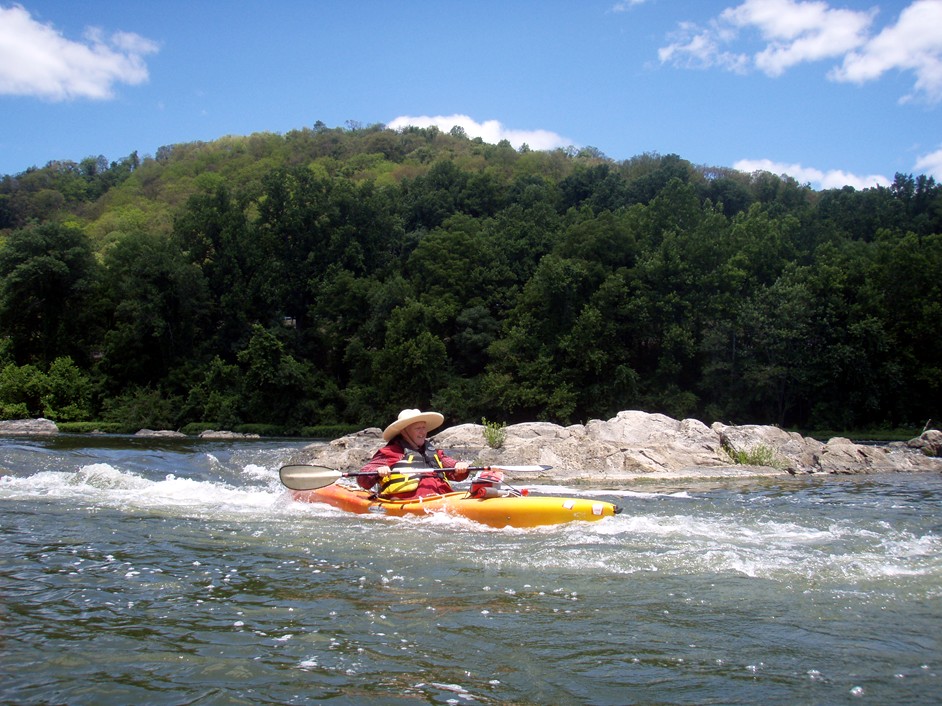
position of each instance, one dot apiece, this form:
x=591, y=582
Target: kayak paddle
x=306, y=477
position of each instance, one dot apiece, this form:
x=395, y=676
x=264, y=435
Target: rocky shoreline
x=47, y=427
x=636, y=444
x=631, y=445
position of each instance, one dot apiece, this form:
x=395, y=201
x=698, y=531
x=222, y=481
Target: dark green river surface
x=143, y=571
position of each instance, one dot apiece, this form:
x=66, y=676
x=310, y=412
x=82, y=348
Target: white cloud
x=694, y=47
x=625, y=5
x=491, y=131
x=914, y=44
x=793, y=32
x=818, y=179
x=931, y=164
x=36, y=60
x=797, y=32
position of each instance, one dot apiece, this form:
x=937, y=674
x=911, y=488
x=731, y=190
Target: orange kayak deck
x=511, y=511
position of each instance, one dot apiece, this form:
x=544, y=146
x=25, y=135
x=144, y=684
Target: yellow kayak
x=505, y=511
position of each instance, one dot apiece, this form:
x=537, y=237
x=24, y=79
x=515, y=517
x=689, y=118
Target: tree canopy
x=335, y=276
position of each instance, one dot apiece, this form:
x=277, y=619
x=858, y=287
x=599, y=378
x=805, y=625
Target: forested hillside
x=336, y=276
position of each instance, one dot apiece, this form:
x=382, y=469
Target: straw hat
x=433, y=420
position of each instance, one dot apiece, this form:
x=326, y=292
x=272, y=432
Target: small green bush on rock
x=494, y=433
x=759, y=455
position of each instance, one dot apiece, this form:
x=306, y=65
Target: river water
x=148, y=571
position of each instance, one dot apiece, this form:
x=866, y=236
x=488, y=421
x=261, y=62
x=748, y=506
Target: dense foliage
x=331, y=276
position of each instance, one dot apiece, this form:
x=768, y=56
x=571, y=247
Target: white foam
x=256, y=472
x=108, y=486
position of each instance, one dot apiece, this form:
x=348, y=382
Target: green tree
x=63, y=393
x=47, y=281
x=306, y=224
x=214, y=234
x=158, y=308
x=596, y=362
x=139, y=408
x=21, y=391
x=217, y=398
x=907, y=274
x=525, y=373
x=412, y=364
x=277, y=387
x=429, y=199
x=779, y=343
x=67, y=392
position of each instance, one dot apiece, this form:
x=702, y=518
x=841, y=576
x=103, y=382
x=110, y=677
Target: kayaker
x=407, y=451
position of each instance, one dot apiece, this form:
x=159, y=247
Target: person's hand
x=383, y=471
x=462, y=466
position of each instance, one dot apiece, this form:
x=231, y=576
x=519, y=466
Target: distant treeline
x=334, y=276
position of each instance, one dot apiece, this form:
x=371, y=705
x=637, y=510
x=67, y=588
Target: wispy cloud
x=37, y=60
x=914, y=44
x=491, y=131
x=931, y=164
x=625, y=5
x=793, y=32
x=818, y=179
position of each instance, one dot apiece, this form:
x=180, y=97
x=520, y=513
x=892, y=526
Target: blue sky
x=829, y=92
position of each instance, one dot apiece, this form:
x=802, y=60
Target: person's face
x=415, y=434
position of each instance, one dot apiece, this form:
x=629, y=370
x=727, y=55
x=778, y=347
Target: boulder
x=630, y=444
x=634, y=444
x=843, y=456
x=28, y=427
x=792, y=451
x=348, y=453
x=656, y=442
x=929, y=443
x=160, y=433
x=213, y=434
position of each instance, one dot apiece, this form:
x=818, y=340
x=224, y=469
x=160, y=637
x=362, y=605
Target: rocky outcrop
x=634, y=444
x=841, y=455
x=160, y=433
x=787, y=450
x=28, y=427
x=929, y=443
x=346, y=453
x=631, y=443
x=213, y=434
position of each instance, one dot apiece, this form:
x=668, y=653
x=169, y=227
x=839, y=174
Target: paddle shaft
x=307, y=477
x=424, y=473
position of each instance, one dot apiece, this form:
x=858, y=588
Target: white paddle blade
x=522, y=469
x=303, y=477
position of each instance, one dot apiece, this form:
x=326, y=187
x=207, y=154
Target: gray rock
x=213, y=434
x=637, y=444
x=629, y=444
x=348, y=453
x=28, y=427
x=929, y=443
x=843, y=456
x=793, y=451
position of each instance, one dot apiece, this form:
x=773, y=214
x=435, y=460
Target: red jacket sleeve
x=388, y=455
x=449, y=462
